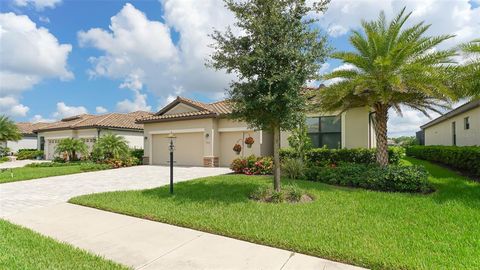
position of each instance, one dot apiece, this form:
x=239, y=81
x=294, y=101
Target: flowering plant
x=252, y=165
x=237, y=148
x=249, y=140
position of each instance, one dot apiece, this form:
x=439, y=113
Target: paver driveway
x=18, y=163
x=25, y=195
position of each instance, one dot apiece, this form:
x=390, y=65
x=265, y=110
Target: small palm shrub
x=71, y=147
x=110, y=146
x=8, y=130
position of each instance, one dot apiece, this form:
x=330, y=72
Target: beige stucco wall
x=134, y=138
x=441, y=133
x=181, y=108
x=222, y=135
x=356, y=131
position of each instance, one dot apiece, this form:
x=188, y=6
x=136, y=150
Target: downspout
x=370, y=114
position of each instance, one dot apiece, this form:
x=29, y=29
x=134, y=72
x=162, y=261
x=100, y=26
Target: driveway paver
x=18, y=163
x=24, y=195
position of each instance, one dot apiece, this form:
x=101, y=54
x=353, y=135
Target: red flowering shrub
x=252, y=165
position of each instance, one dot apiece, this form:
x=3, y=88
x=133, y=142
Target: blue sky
x=114, y=63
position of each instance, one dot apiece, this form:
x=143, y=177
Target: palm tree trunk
x=276, y=158
x=381, y=119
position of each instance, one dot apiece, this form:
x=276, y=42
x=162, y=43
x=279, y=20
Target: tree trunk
x=276, y=158
x=381, y=119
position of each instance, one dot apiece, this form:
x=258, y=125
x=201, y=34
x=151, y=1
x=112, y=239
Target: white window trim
x=235, y=129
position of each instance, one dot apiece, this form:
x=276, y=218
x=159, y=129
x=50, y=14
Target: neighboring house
x=460, y=126
x=205, y=135
x=29, y=138
x=90, y=127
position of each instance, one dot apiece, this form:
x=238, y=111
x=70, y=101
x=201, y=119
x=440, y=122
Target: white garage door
x=51, y=147
x=228, y=140
x=188, y=149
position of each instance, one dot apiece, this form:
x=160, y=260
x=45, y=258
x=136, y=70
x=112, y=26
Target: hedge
x=466, y=158
x=393, y=178
x=324, y=156
x=29, y=154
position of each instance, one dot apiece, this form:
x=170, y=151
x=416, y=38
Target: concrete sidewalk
x=144, y=244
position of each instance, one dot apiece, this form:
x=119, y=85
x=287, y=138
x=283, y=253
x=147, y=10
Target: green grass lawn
x=24, y=249
x=366, y=228
x=27, y=173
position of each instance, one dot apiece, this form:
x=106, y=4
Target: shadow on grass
x=207, y=191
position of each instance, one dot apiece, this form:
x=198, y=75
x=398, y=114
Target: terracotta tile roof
x=28, y=128
x=205, y=110
x=110, y=120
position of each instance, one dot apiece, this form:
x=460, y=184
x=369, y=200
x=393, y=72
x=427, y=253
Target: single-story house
x=90, y=127
x=205, y=135
x=460, y=126
x=29, y=138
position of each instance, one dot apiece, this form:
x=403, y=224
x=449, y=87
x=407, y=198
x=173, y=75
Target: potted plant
x=249, y=141
x=237, y=148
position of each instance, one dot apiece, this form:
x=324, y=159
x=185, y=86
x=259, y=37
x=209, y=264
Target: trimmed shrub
x=325, y=156
x=53, y=164
x=393, y=178
x=252, y=165
x=90, y=166
x=29, y=154
x=137, y=153
x=465, y=158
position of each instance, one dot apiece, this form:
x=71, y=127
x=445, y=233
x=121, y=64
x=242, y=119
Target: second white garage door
x=188, y=149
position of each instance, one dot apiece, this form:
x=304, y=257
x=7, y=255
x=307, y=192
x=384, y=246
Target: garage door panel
x=188, y=149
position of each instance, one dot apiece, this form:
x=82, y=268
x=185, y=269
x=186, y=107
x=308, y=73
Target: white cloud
x=447, y=17
x=138, y=104
x=38, y=118
x=66, y=111
x=44, y=19
x=28, y=55
x=100, y=109
x=38, y=4
x=10, y=106
x=408, y=124
x=141, y=53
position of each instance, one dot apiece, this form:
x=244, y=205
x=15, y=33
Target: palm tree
x=468, y=76
x=71, y=147
x=111, y=146
x=8, y=130
x=391, y=67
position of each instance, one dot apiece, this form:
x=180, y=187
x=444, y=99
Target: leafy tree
x=277, y=52
x=72, y=146
x=392, y=66
x=8, y=130
x=406, y=140
x=468, y=75
x=299, y=139
x=111, y=146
